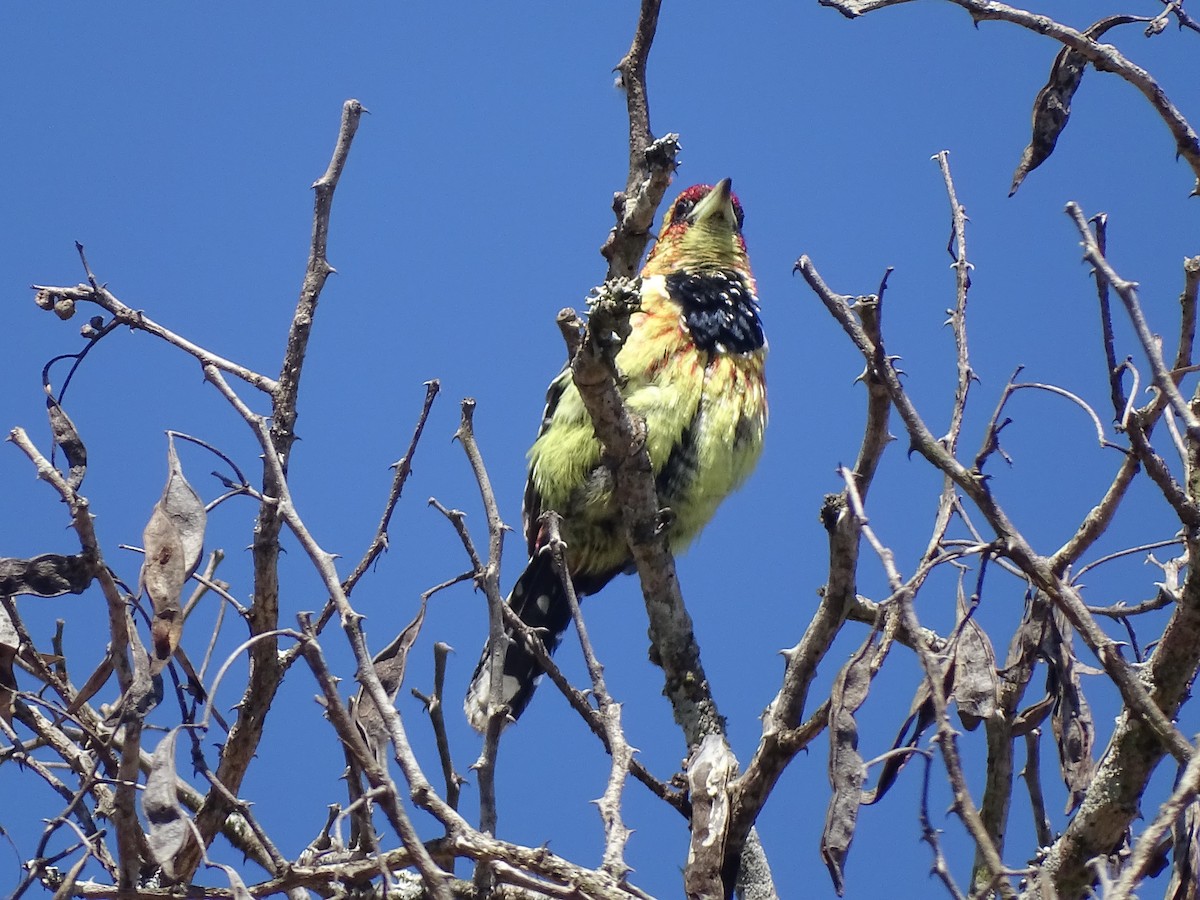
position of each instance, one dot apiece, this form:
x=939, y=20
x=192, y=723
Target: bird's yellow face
x=701, y=230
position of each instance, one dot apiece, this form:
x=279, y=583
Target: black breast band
x=720, y=310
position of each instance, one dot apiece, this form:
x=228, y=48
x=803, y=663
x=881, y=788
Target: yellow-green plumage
x=692, y=367
x=717, y=401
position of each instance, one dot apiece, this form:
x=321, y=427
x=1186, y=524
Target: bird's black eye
x=682, y=210
x=741, y=215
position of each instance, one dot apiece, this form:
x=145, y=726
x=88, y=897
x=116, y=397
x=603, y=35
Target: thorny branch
x=266, y=667
x=651, y=162
x=615, y=832
x=1127, y=291
x=487, y=576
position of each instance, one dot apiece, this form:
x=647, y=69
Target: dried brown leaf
x=47, y=575
x=145, y=691
x=1071, y=717
x=1051, y=110
x=163, y=577
x=389, y=666
x=67, y=436
x=169, y=826
x=1052, y=107
x=975, y=685
x=1023, y=649
x=846, y=771
x=1032, y=716
x=92, y=686
x=920, y=717
x=186, y=509
x=174, y=542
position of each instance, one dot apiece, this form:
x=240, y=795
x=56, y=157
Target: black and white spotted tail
x=539, y=599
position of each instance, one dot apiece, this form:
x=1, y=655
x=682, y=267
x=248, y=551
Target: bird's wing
x=532, y=509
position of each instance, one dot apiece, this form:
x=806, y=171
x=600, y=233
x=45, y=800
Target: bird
x=692, y=367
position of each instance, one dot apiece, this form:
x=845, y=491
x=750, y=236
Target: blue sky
x=178, y=143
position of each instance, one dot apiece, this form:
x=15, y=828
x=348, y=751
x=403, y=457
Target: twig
x=277, y=863
x=318, y=270
x=1127, y=291
x=651, y=163
x=623, y=440
x=463, y=840
x=205, y=582
x=957, y=247
x=958, y=316
x=266, y=669
x=403, y=468
x=421, y=790
x=1121, y=611
x=231, y=659
x=532, y=642
x=616, y=835
x=1074, y=398
x=487, y=576
x=991, y=441
x=776, y=747
x=1128, y=551
x=1185, y=21
x=1112, y=369
x=434, y=705
x=138, y=321
x=379, y=543
x=861, y=609
x=1096, y=522
x=81, y=520
x=929, y=834
x=1131, y=757
x=434, y=878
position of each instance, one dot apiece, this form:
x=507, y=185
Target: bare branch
x=435, y=706
x=616, y=835
x=266, y=666
x=1127, y=291
x=139, y=321
x=403, y=468
x=651, y=163
x=958, y=316
x=487, y=576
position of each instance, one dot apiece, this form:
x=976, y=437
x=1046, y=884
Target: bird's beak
x=717, y=205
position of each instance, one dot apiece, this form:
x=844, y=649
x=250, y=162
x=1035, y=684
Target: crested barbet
x=692, y=367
